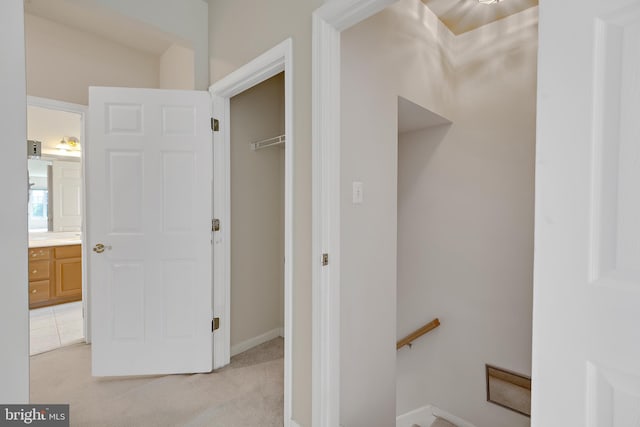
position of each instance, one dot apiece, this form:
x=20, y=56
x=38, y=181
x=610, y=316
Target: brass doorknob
x=99, y=248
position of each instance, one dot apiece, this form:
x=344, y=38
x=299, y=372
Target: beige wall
x=460, y=198
x=63, y=62
x=402, y=50
x=257, y=212
x=240, y=31
x=177, y=68
x=185, y=20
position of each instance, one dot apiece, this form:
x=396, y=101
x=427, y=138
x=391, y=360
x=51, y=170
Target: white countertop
x=39, y=240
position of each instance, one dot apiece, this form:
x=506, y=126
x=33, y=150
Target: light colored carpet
x=247, y=393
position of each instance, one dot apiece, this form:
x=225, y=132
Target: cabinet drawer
x=72, y=251
x=38, y=270
x=39, y=253
x=38, y=291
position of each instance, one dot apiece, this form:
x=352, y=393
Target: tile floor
x=55, y=326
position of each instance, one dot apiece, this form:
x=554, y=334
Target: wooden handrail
x=417, y=333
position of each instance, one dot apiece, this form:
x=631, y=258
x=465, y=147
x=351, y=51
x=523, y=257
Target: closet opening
x=257, y=193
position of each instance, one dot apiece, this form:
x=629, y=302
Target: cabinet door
x=68, y=277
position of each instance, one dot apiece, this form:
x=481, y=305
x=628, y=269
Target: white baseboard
x=425, y=415
x=252, y=342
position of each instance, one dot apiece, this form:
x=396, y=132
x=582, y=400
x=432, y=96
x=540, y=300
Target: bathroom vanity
x=55, y=270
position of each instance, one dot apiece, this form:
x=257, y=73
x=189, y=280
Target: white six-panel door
x=67, y=194
x=586, y=337
x=149, y=178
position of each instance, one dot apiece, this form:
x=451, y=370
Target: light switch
x=358, y=190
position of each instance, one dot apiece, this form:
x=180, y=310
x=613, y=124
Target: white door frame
x=265, y=66
x=329, y=21
x=53, y=104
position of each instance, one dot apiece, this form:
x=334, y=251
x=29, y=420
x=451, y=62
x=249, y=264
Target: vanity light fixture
x=69, y=143
x=489, y=1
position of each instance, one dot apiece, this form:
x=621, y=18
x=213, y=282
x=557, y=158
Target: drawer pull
x=34, y=291
x=34, y=271
x=33, y=254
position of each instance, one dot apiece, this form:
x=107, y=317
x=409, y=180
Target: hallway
x=248, y=392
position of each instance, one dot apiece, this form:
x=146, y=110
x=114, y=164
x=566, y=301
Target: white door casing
x=249, y=75
x=275, y=60
x=149, y=178
x=67, y=195
x=329, y=20
x=221, y=259
x=586, y=339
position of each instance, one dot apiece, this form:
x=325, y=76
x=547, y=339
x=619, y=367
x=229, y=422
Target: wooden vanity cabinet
x=55, y=275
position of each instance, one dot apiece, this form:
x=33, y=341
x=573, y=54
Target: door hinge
x=215, y=324
x=325, y=259
x=215, y=125
x=215, y=224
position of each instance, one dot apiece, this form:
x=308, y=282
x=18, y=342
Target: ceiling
x=461, y=16
x=92, y=18
x=413, y=117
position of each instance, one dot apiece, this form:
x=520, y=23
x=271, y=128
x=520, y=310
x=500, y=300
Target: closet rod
x=267, y=143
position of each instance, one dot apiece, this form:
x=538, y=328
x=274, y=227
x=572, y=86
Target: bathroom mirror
x=39, y=206
x=55, y=195
x=55, y=178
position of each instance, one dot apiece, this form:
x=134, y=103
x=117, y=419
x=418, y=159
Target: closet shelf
x=265, y=143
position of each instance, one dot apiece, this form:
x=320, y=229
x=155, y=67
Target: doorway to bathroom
x=55, y=138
